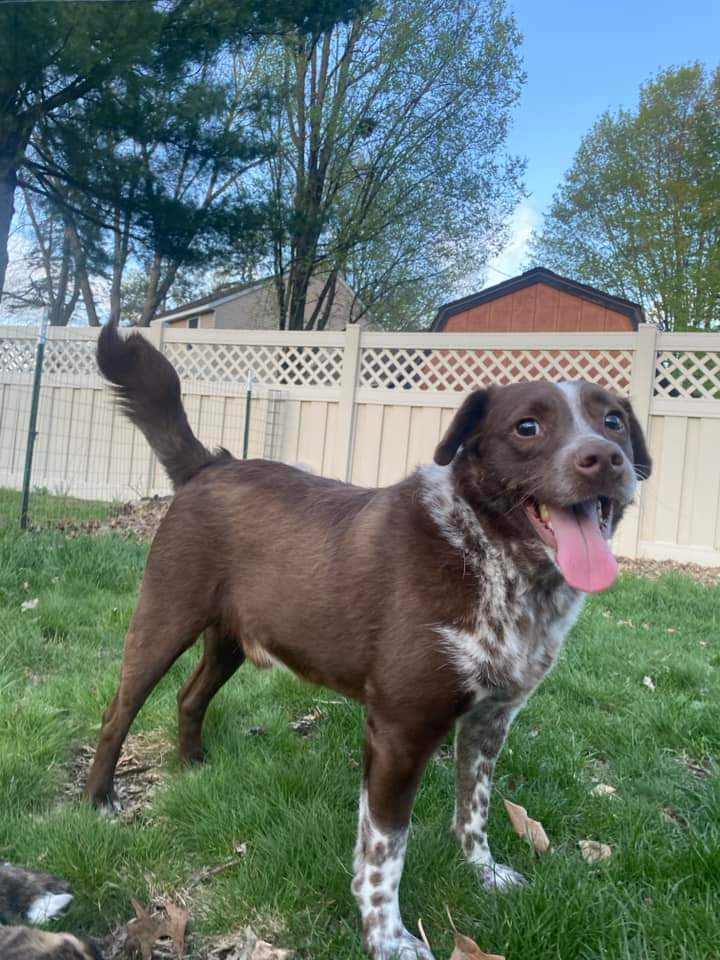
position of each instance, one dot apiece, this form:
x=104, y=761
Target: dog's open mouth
x=580, y=537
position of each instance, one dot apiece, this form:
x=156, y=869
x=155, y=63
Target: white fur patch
x=377, y=869
x=572, y=391
x=48, y=906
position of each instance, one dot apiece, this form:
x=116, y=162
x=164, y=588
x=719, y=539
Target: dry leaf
x=177, y=918
x=265, y=951
x=524, y=826
x=603, y=790
x=467, y=949
x=593, y=851
x=648, y=682
x=145, y=931
x=30, y=604
x=244, y=945
x=306, y=724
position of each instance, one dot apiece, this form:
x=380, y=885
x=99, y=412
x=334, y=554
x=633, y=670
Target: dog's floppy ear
x=642, y=461
x=469, y=414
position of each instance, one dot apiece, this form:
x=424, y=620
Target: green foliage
x=390, y=168
x=638, y=213
x=112, y=111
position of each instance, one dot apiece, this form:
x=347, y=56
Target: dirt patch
x=139, y=519
x=709, y=576
x=140, y=771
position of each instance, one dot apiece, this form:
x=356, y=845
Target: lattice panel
x=71, y=357
x=690, y=375
x=17, y=356
x=282, y=365
x=387, y=368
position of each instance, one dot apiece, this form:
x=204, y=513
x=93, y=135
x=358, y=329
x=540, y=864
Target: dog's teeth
x=544, y=513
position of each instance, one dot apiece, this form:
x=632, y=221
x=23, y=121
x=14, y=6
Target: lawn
x=44, y=507
x=291, y=799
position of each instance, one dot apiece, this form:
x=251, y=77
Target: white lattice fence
x=687, y=374
x=462, y=370
x=368, y=406
x=287, y=366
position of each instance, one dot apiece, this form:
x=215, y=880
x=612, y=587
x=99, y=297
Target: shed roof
x=539, y=275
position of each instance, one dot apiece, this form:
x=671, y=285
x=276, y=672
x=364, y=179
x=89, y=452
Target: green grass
x=293, y=799
x=44, y=507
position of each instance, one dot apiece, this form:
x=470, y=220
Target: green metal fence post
x=248, y=407
x=32, y=425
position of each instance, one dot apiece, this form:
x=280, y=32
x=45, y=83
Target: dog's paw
x=47, y=907
x=110, y=807
x=403, y=947
x=498, y=876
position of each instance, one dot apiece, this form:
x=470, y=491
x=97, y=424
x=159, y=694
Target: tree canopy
x=155, y=145
x=638, y=213
x=69, y=64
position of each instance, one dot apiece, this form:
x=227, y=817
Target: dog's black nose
x=598, y=456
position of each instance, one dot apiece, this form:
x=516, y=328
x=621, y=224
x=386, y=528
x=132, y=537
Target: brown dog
x=441, y=600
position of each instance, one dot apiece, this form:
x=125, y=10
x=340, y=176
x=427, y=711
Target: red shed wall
x=540, y=308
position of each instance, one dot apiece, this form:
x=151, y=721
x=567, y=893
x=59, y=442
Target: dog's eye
x=529, y=427
x=613, y=421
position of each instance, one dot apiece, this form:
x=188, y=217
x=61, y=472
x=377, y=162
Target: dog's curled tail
x=148, y=389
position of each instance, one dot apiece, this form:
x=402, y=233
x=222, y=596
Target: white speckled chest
x=514, y=633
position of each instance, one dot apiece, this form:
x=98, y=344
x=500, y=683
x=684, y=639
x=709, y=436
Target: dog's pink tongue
x=584, y=555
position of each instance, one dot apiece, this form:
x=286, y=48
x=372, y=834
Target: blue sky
x=583, y=58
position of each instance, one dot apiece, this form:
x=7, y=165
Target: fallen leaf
x=244, y=945
x=177, y=918
x=603, y=790
x=524, y=826
x=593, y=851
x=30, y=604
x=304, y=725
x=265, y=951
x=145, y=930
x=648, y=682
x=671, y=630
x=467, y=949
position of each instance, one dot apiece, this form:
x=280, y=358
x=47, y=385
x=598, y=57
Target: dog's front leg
x=395, y=759
x=480, y=736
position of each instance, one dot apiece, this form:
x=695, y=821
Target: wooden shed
x=540, y=301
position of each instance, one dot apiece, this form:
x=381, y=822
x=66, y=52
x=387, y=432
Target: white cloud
x=509, y=263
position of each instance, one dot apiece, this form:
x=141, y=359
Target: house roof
x=539, y=275
x=222, y=295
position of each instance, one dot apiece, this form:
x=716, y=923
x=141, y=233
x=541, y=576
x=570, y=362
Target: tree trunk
x=157, y=288
x=82, y=274
x=8, y=184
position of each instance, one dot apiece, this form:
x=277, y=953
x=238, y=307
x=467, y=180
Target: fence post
x=249, y=379
x=346, y=406
x=642, y=385
x=32, y=424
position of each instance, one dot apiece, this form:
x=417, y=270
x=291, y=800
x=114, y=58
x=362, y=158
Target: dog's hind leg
x=222, y=656
x=155, y=639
